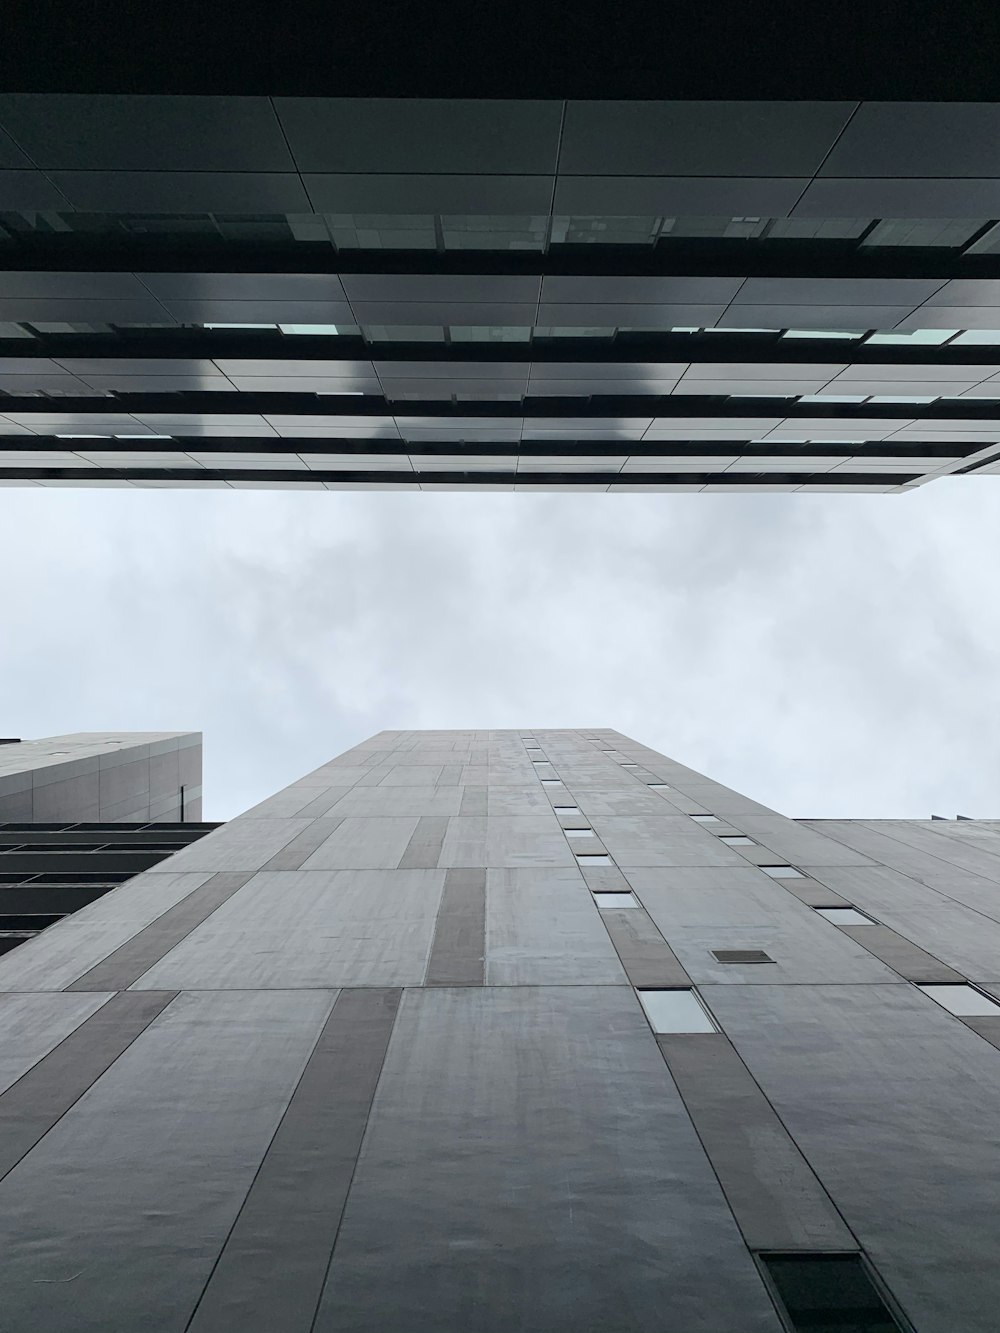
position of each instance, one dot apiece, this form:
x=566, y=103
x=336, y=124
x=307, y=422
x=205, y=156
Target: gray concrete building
x=108, y=777
x=493, y=1030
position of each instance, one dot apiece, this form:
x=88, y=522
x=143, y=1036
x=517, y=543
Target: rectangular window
x=845, y=916
x=550, y=781
x=579, y=833
x=962, y=1000
x=657, y=786
x=675, y=1011
x=738, y=840
x=566, y=809
x=615, y=900
x=593, y=859
x=828, y=1291
x=625, y=765
x=706, y=819
x=782, y=872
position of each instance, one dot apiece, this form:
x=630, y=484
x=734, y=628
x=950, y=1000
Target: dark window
x=829, y=1293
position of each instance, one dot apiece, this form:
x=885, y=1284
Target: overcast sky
x=830, y=656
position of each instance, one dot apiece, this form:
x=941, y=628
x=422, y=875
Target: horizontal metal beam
x=672, y=257
x=612, y=408
x=469, y=479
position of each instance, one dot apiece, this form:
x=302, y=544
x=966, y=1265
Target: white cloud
x=828, y=655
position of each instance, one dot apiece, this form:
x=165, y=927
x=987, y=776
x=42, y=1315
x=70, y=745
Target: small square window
x=845, y=916
x=675, y=1011
x=962, y=1000
x=593, y=859
x=579, y=833
x=737, y=840
x=782, y=872
x=613, y=901
x=706, y=819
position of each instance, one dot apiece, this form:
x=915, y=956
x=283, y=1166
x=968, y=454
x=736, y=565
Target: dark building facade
x=81, y=814
x=513, y=294
x=492, y=1030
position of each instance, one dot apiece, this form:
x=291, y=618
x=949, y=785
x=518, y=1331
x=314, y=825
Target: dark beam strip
x=270, y=1273
x=597, y=408
x=471, y=480
x=30, y=1108
x=575, y=449
x=136, y=956
x=707, y=257
x=647, y=346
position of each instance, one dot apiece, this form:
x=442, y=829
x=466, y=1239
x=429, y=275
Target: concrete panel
x=903, y=957
x=464, y=842
x=300, y=928
x=459, y=948
x=897, y=1117
x=603, y=1211
x=804, y=946
x=673, y=840
x=243, y=844
x=376, y=843
x=528, y=840
x=368, y=801
x=795, y=842
x=33, y=1024
x=130, y=960
x=295, y=1204
x=542, y=928
x=44, y=1094
x=66, y=950
x=777, y=1200
x=424, y=848
x=600, y=802
x=211, y=1078
x=647, y=958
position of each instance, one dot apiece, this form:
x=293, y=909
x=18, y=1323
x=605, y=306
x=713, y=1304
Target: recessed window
x=675, y=1011
x=706, y=819
x=548, y=782
x=579, y=833
x=593, y=858
x=615, y=900
x=625, y=765
x=737, y=840
x=782, y=872
x=741, y=956
x=540, y=761
x=566, y=809
x=964, y=1001
x=828, y=1291
x=845, y=916
x=657, y=786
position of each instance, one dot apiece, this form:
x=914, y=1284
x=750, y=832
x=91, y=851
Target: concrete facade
x=471, y=1031
x=102, y=777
